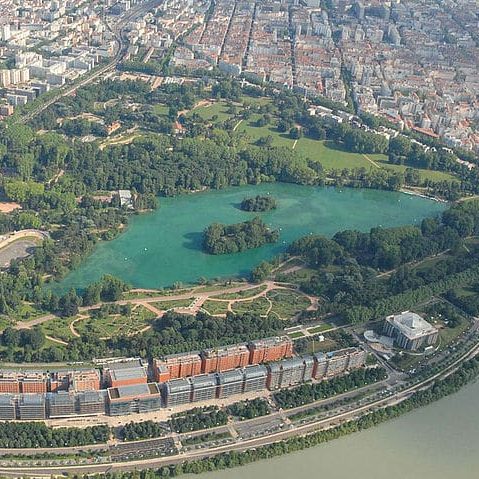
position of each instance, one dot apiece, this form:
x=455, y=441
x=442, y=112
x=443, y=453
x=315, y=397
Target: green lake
x=163, y=247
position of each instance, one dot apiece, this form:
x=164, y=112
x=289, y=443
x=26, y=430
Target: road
x=320, y=424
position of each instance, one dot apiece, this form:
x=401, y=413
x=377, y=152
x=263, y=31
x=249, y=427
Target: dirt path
x=371, y=161
x=198, y=299
x=238, y=124
x=55, y=340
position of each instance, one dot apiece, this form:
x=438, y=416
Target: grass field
x=179, y=303
x=217, y=112
x=296, y=335
x=215, y=307
x=160, y=109
x=256, y=132
x=320, y=328
x=286, y=303
x=256, y=306
x=59, y=328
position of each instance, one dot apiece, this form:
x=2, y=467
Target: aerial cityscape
x=235, y=229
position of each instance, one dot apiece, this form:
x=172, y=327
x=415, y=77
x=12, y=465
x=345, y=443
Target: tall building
x=183, y=365
x=91, y=403
x=61, y=404
x=270, y=349
x=230, y=383
x=87, y=380
x=225, y=358
x=255, y=377
x=410, y=331
x=32, y=407
x=177, y=392
x=203, y=388
x=7, y=407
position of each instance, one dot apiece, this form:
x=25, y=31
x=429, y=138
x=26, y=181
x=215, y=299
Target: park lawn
x=116, y=325
x=332, y=156
x=297, y=276
x=321, y=328
x=321, y=346
x=247, y=293
x=296, y=335
x=215, y=307
x=59, y=328
x=262, y=100
x=170, y=304
x=217, y=109
x=161, y=109
x=424, y=174
x=259, y=306
x=448, y=335
x=254, y=132
x=141, y=294
x=287, y=303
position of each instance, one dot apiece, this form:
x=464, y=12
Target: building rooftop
x=134, y=390
x=127, y=373
x=178, y=385
x=230, y=376
x=255, y=371
x=411, y=324
x=204, y=380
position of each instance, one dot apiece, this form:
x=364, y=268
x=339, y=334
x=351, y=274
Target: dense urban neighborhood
x=231, y=229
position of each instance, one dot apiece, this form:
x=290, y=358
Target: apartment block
x=177, y=392
x=32, y=407
x=270, y=349
x=224, y=359
x=183, y=365
x=203, y=387
x=230, y=383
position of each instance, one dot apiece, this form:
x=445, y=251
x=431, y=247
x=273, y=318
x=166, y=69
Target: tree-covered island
x=225, y=239
x=259, y=204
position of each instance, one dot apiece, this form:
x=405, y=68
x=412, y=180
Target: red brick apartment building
x=225, y=358
x=270, y=349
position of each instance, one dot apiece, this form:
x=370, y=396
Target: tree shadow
x=193, y=241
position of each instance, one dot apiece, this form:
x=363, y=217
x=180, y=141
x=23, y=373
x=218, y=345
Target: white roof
x=411, y=324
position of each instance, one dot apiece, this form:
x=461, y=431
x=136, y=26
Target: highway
x=285, y=433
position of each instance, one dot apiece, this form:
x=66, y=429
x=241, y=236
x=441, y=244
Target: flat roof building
x=32, y=407
x=255, y=377
x=121, y=375
x=91, y=403
x=230, y=383
x=87, y=380
x=177, y=392
x=61, y=404
x=7, y=407
x=134, y=398
x=270, y=349
x=183, y=365
x=203, y=387
x=225, y=358
x=410, y=331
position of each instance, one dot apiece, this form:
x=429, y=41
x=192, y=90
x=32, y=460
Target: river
x=439, y=441
x=163, y=247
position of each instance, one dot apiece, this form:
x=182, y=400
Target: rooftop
x=411, y=324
